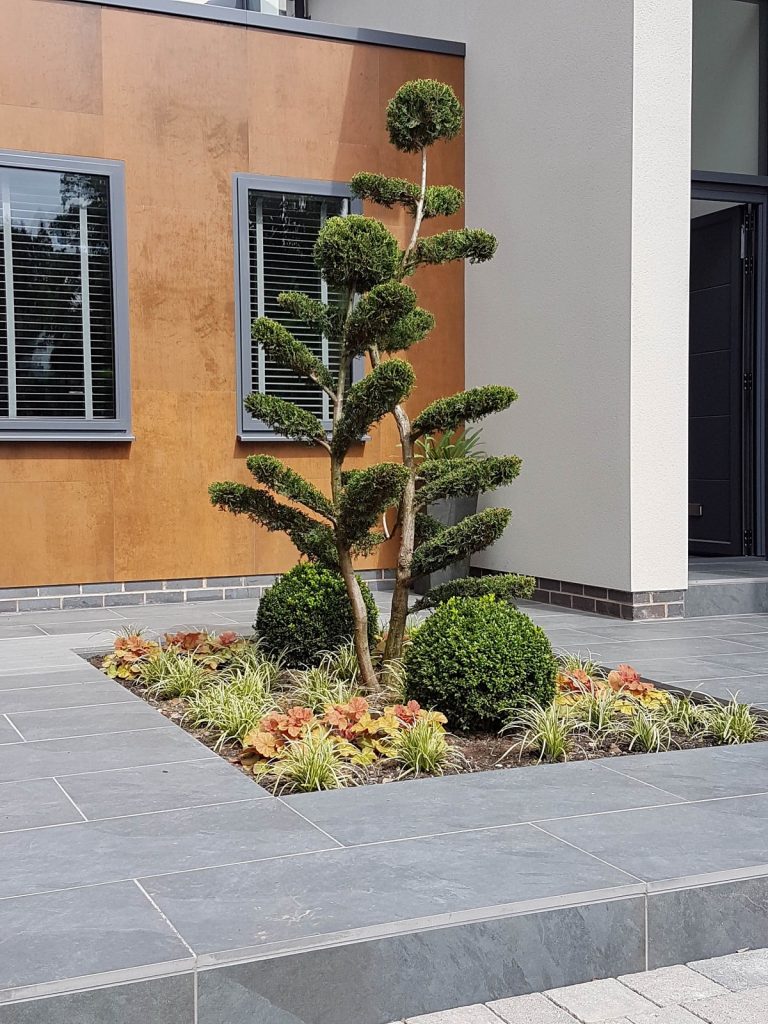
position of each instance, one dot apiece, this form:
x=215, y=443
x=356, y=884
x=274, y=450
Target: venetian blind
x=282, y=229
x=57, y=348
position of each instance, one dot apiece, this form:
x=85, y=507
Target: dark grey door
x=717, y=381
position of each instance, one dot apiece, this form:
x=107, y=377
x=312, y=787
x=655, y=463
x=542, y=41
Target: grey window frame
x=248, y=428
x=60, y=428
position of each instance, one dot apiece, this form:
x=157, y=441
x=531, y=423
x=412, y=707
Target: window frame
x=64, y=428
x=249, y=428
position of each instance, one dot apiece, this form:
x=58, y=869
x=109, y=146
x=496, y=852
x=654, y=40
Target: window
x=278, y=221
x=63, y=337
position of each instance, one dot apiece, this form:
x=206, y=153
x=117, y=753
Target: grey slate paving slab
x=737, y=972
x=107, y=850
x=735, y=1008
x=668, y=986
x=71, y=694
x=613, y=652
x=420, y=972
x=682, y=841
x=385, y=886
x=81, y=932
x=701, y=774
x=7, y=733
x=597, y=1001
x=57, y=677
x=707, y=920
x=42, y=759
x=428, y=806
x=87, y=721
x=748, y=689
x=14, y=630
x=694, y=669
x=530, y=1009
x=32, y=804
x=157, y=1001
x=160, y=788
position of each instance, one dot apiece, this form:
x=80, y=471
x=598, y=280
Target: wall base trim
x=621, y=604
x=60, y=597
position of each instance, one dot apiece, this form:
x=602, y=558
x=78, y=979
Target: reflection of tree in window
x=62, y=295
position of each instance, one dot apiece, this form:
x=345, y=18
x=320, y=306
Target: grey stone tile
x=681, y=841
x=66, y=693
x=204, y=595
x=728, y=627
x=741, y=971
x=425, y=971
x=701, y=774
x=7, y=733
x=107, y=850
x=574, y=639
x=735, y=1008
x=81, y=932
x=167, y=1000
x=82, y=673
x=530, y=1009
x=595, y=1002
x=366, y=814
x=39, y=604
x=640, y=651
x=752, y=640
x=707, y=921
x=164, y=597
x=32, y=804
x=13, y=630
x=101, y=588
x=100, y=630
x=160, y=788
x=119, y=600
x=43, y=759
x=668, y=986
x=747, y=689
x=386, y=886
x=477, y=1014
x=87, y=721
x=41, y=654
x=83, y=601
x=693, y=670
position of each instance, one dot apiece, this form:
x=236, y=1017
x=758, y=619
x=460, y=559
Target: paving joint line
x=594, y=856
x=312, y=823
x=165, y=918
x=66, y=794
x=17, y=731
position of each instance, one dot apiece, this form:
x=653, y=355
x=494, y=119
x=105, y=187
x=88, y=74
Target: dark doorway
x=720, y=462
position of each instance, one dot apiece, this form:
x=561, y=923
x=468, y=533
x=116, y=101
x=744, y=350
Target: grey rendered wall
x=584, y=310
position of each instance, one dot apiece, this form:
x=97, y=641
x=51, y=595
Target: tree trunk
x=360, y=619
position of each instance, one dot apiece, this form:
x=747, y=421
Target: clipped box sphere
x=477, y=659
x=307, y=612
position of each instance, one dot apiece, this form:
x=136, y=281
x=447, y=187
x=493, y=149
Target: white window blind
x=57, y=337
x=282, y=229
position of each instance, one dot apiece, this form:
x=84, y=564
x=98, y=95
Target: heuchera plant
x=362, y=734
x=379, y=318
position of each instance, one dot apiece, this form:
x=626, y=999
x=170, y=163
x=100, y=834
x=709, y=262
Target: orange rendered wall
x=185, y=104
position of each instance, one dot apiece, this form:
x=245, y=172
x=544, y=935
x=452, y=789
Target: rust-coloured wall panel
x=186, y=104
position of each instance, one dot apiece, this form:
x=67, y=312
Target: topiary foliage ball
x=307, y=612
x=422, y=112
x=475, y=659
x=357, y=252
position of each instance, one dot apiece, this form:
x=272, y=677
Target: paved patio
x=144, y=878
x=725, y=990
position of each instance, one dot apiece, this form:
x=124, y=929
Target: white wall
x=584, y=309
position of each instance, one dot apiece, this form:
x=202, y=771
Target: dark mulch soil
x=480, y=752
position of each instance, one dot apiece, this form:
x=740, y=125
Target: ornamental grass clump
x=374, y=314
x=423, y=749
x=314, y=762
x=184, y=678
x=647, y=731
x=547, y=730
x=234, y=707
x=731, y=723
x=478, y=659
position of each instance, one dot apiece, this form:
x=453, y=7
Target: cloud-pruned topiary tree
x=380, y=318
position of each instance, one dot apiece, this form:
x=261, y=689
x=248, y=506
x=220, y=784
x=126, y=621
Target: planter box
x=448, y=511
